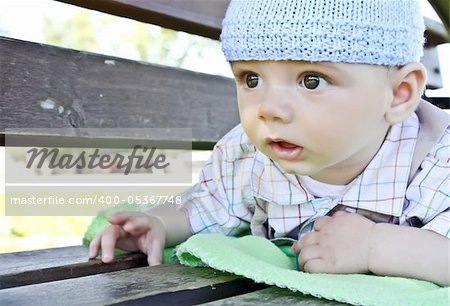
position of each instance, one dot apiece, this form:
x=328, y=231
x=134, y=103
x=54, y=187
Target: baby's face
x=318, y=119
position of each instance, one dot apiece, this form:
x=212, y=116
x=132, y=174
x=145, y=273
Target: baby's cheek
x=251, y=130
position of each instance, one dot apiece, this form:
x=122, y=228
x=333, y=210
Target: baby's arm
x=175, y=221
x=350, y=243
x=411, y=252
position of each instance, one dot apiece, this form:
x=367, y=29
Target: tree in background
x=101, y=33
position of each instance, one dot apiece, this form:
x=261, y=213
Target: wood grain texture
x=33, y=267
x=273, y=296
x=120, y=286
x=40, y=259
x=66, y=273
x=50, y=87
x=200, y=17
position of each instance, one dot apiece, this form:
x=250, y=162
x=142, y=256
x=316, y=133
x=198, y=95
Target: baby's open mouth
x=285, y=150
x=285, y=144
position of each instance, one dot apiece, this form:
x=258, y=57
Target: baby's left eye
x=313, y=82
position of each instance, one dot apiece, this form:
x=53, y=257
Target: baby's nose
x=275, y=110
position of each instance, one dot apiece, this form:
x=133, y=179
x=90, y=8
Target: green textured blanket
x=259, y=259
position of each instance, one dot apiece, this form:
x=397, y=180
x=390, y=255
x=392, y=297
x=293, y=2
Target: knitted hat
x=380, y=32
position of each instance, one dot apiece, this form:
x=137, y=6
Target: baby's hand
x=340, y=244
x=131, y=231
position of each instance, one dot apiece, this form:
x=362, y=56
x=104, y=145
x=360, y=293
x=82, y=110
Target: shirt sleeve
x=221, y=201
x=440, y=224
x=429, y=192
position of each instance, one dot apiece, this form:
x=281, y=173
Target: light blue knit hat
x=380, y=32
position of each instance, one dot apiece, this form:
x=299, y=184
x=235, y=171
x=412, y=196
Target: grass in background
x=22, y=233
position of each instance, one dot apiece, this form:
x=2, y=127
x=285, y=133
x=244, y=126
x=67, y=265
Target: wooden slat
x=441, y=102
x=204, y=17
x=201, y=17
x=435, y=33
x=33, y=267
x=273, y=296
x=135, y=286
x=51, y=87
x=198, y=295
x=51, y=267
x=40, y=259
x=442, y=8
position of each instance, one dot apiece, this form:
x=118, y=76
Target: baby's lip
x=281, y=142
x=284, y=150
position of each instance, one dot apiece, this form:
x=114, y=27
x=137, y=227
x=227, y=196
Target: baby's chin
x=296, y=170
x=296, y=167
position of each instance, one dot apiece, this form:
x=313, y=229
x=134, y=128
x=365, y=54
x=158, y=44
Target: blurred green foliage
x=91, y=31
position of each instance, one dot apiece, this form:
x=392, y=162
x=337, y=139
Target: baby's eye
x=313, y=82
x=253, y=80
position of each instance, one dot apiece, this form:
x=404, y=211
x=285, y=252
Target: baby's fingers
x=154, y=252
x=155, y=243
x=108, y=241
x=309, y=256
x=94, y=246
x=131, y=222
x=306, y=240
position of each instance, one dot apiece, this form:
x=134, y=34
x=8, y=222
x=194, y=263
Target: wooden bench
x=65, y=275
x=96, y=91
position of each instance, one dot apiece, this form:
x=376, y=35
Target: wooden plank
x=435, y=33
x=442, y=8
x=40, y=259
x=204, y=17
x=199, y=295
x=137, y=286
x=33, y=267
x=200, y=17
x=51, y=87
x=441, y=102
x=273, y=296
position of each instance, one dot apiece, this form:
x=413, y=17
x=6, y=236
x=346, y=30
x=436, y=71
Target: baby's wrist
x=373, y=248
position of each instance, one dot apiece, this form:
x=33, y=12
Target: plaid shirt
x=237, y=177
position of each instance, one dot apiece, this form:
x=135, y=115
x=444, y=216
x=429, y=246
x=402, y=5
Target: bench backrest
x=50, y=87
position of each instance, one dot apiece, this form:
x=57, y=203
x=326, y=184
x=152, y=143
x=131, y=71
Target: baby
x=335, y=150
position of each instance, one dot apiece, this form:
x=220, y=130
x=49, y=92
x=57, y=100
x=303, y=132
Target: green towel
x=259, y=259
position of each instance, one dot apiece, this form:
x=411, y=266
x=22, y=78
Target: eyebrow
x=323, y=64
x=328, y=65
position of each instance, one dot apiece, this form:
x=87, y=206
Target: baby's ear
x=408, y=83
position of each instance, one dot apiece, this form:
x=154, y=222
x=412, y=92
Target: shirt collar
x=380, y=188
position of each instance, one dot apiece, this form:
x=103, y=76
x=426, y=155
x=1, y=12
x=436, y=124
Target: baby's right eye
x=252, y=80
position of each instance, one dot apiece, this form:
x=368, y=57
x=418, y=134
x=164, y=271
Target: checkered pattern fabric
x=237, y=176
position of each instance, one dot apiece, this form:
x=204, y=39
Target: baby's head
x=319, y=82
x=379, y=32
